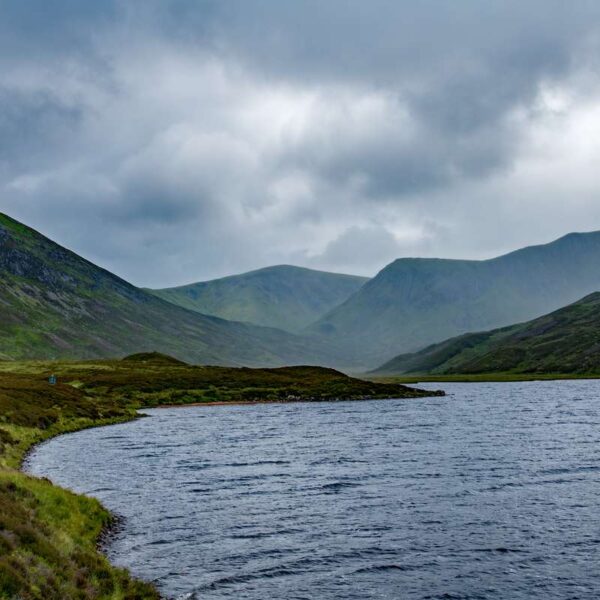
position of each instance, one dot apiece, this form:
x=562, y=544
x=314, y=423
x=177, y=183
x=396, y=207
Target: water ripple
x=490, y=493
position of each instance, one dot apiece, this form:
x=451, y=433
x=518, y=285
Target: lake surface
x=491, y=492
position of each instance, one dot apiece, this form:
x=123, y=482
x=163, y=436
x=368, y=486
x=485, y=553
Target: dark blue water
x=492, y=492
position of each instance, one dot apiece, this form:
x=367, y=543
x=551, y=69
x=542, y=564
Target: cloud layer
x=178, y=141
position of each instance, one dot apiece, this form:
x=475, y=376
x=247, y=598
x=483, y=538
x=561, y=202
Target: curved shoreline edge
x=432, y=394
x=51, y=538
x=99, y=523
x=114, y=521
x=69, y=527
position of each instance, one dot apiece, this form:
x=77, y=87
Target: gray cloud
x=176, y=141
x=360, y=248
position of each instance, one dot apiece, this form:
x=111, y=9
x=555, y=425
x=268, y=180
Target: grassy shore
x=479, y=377
x=49, y=536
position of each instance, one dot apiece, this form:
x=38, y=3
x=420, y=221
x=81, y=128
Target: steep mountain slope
x=283, y=296
x=54, y=304
x=415, y=302
x=565, y=341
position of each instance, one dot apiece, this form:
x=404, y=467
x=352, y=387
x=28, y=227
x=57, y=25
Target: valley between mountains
x=55, y=304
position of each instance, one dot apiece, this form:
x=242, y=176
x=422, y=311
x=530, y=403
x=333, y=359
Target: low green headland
x=49, y=536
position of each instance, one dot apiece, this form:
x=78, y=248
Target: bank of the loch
x=49, y=536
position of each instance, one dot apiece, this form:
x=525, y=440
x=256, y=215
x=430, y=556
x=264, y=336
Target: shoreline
x=22, y=466
x=112, y=523
x=93, y=395
x=224, y=403
x=115, y=521
x=434, y=394
x=484, y=378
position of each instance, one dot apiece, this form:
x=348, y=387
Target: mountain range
x=564, y=341
x=55, y=304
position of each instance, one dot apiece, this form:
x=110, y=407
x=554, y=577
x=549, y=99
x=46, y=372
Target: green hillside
x=283, y=296
x=566, y=341
x=54, y=304
x=416, y=302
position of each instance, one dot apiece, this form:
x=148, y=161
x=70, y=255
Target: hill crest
x=282, y=296
x=414, y=302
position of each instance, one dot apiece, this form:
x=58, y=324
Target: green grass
x=159, y=381
x=48, y=539
x=49, y=536
x=13, y=225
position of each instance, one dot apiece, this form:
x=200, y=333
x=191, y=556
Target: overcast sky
x=177, y=141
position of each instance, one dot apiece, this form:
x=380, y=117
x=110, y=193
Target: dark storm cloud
x=219, y=136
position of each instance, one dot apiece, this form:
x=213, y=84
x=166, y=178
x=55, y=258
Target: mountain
x=283, y=296
x=565, y=341
x=415, y=302
x=55, y=304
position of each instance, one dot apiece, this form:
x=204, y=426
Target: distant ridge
x=566, y=341
x=414, y=302
x=281, y=296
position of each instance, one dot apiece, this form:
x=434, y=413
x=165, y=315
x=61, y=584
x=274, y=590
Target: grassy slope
x=54, y=304
x=286, y=297
x=563, y=342
x=416, y=302
x=48, y=536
